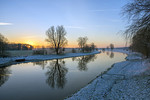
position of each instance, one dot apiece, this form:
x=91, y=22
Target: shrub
x=39, y=52
x=73, y=50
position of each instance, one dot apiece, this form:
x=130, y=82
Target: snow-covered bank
x=131, y=55
x=126, y=80
x=11, y=60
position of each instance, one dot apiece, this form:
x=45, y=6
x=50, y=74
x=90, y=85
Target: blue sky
x=28, y=20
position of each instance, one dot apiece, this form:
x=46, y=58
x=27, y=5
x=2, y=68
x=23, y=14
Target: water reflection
x=4, y=75
x=41, y=63
x=111, y=55
x=56, y=73
x=74, y=58
x=82, y=61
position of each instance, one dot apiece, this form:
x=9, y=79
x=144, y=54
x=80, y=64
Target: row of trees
x=57, y=40
x=82, y=42
x=138, y=31
x=111, y=46
x=3, y=42
x=4, y=45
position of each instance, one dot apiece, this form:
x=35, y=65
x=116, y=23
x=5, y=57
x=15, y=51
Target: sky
x=26, y=21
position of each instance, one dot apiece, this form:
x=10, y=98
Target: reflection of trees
x=111, y=55
x=82, y=64
x=4, y=75
x=107, y=53
x=56, y=74
x=41, y=63
x=73, y=58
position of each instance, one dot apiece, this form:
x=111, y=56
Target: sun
x=30, y=42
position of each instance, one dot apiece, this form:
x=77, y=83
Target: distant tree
x=56, y=38
x=82, y=42
x=103, y=49
x=93, y=46
x=73, y=50
x=138, y=13
x=3, y=44
x=87, y=48
x=111, y=46
x=63, y=50
x=141, y=42
x=107, y=47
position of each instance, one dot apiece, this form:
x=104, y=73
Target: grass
x=20, y=52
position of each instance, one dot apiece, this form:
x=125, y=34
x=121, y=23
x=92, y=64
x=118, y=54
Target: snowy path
x=127, y=80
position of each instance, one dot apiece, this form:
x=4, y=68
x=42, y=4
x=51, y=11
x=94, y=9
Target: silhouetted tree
x=56, y=74
x=138, y=13
x=111, y=46
x=82, y=42
x=93, y=46
x=141, y=42
x=87, y=48
x=73, y=50
x=3, y=44
x=56, y=38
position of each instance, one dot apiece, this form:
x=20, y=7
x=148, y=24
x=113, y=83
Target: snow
x=126, y=80
x=11, y=60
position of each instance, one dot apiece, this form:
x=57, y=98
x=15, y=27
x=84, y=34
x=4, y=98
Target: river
x=53, y=79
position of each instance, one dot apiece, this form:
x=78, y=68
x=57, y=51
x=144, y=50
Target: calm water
x=53, y=79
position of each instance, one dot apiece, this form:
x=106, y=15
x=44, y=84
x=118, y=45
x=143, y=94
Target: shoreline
x=124, y=80
x=4, y=62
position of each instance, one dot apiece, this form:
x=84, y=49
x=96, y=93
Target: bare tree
x=138, y=14
x=57, y=38
x=82, y=42
x=111, y=46
x=3, y=43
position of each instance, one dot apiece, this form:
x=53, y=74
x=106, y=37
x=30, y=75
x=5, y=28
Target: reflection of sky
x=29, y=19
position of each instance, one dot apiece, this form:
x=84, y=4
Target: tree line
x=138, y=31
x=56, y=37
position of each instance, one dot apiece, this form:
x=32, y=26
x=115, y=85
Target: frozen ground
x=127, y=80
x=11, y=60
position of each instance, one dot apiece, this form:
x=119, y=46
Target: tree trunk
x=56, y=49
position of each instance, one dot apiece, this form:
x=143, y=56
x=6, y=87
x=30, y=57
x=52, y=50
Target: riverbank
x=12, y=60
x=125, y=80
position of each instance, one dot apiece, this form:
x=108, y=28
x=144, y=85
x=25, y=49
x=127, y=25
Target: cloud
x=103, y=10
x=2, y=23
x=76, y=27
